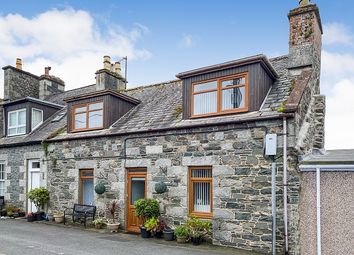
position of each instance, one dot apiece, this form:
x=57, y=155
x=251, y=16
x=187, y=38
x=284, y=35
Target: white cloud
x=68, y=40
x=337, y=33
x=187, y=41
x=340, y=116
x=337, y=64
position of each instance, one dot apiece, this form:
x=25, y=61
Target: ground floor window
x=86, y=187
x=2, y=179
x=201, y=191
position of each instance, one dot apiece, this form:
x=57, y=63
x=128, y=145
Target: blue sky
x=163, y=38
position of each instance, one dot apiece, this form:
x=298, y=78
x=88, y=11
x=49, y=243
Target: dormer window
x=88, y=116
x=37, y=118
x=220, y=96
x=17, y=122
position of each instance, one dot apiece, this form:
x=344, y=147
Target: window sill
x=85, y=130
x=202, y=215
x=243, y=110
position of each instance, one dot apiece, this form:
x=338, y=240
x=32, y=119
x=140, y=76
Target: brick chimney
x=49, y=84
x=110, y=77
x=305, y=40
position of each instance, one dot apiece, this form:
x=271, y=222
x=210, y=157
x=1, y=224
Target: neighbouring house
x=202, y=135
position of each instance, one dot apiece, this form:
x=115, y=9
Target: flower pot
x=98, y=226
x=145, y=233
x=196, y=240
x=59, y=218
x=21, y=214
x=30, y=218
x=181, y=239
x=113, y=227
x=158, y=234
x=39, y=216
x=168, y=235
x=50, y=217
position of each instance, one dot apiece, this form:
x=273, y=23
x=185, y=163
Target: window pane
x=95, y=106
x=201, y=173
x=21, y=130
x=12, y=131
x=204, y=103
x=95, y=119
x=205, y=86
x=37, y=118
x=233, y=98
x=36, y=164
x=80, y=109
x=2, y=188
x=2, y=172
x=233, y=82
x=80, y=120
x=12, y=119
x=22, y=118
x=201, y=197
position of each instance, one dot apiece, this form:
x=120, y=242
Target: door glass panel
x=35, y=165
x=137, y=189
x=87, y=192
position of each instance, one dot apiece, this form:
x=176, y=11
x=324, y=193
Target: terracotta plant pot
x=59, y=218
x=181, y=239
x=113, y=227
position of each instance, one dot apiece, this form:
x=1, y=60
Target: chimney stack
x=110, y=76
x=49, y=84
x=19, y=63
x=46, y=70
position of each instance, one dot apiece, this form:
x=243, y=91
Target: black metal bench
x=81, y=213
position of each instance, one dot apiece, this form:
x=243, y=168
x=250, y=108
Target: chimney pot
x=19, y=63
x=117, y=68
x=303, y=3
x=107, y=62
x=46, y=70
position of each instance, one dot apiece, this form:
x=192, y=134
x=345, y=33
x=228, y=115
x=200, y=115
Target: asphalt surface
x=18, y=237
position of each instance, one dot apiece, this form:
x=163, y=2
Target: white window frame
x=17, y=126
x=2, y=180
x=40, y=123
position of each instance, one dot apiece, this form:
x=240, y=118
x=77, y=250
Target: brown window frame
x=82, y=178
x=74, y=107
x=192, y=180
x=219, y=90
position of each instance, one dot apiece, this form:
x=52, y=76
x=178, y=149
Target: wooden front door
x=136, y=190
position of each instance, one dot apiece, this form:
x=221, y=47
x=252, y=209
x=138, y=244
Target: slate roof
x=160, y=108
x=330, y=157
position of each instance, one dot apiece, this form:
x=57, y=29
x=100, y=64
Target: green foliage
x=11, y=209
x=45, y=147
x=151, y=224
x=197, y=227
x=39, y=196
x=177, y=111
x=282, y=107
x=182, y=231
x=147, y=208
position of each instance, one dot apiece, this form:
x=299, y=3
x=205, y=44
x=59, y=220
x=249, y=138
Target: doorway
x=86, y=187
x=136, y=189
x=34, y=181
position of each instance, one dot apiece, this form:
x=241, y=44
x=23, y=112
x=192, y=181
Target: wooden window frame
x=82, y=178
x=219, y=90
x=191, y=191
x=87, y=112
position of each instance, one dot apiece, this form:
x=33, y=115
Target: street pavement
x=18, y=237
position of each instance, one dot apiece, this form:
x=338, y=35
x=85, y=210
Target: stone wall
x=241, y=177
x=16, y=169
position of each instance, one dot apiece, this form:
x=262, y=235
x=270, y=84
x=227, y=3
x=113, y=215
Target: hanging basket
x=100, y=188
x=160, y=187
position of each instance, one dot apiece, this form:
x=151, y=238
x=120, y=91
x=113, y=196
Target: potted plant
x=58, y=217
x=112, y=225
x=98, y=223
x=156, y=226
x=31, y=217
x=198, y=229
x=181, y=233
x=39, y=196
x=168, y=234
x=145, y=209
x=50, y=217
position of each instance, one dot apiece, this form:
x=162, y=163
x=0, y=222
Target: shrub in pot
x=145, y=209
x=197, y=229
x=182, y=234
x=39, y=196
x=112, y=225
x=168, y=234
x=98, y=223
x=58, y=217
x=156, y=226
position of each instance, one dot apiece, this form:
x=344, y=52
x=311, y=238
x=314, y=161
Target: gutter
x=254, y=119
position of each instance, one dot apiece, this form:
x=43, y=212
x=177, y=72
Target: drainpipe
x=285, y=185
x=318, y=206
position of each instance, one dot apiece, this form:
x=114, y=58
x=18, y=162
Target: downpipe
x=285, y=185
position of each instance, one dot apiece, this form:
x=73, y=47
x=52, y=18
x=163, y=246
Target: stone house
x=202, y=135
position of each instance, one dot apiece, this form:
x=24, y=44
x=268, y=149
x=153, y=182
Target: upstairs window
x=2, y=179
x=220, y=96
x=88, y=116
x=37, y=118
x=16, y=122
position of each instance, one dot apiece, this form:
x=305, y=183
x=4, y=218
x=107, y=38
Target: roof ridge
x=152, y=85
